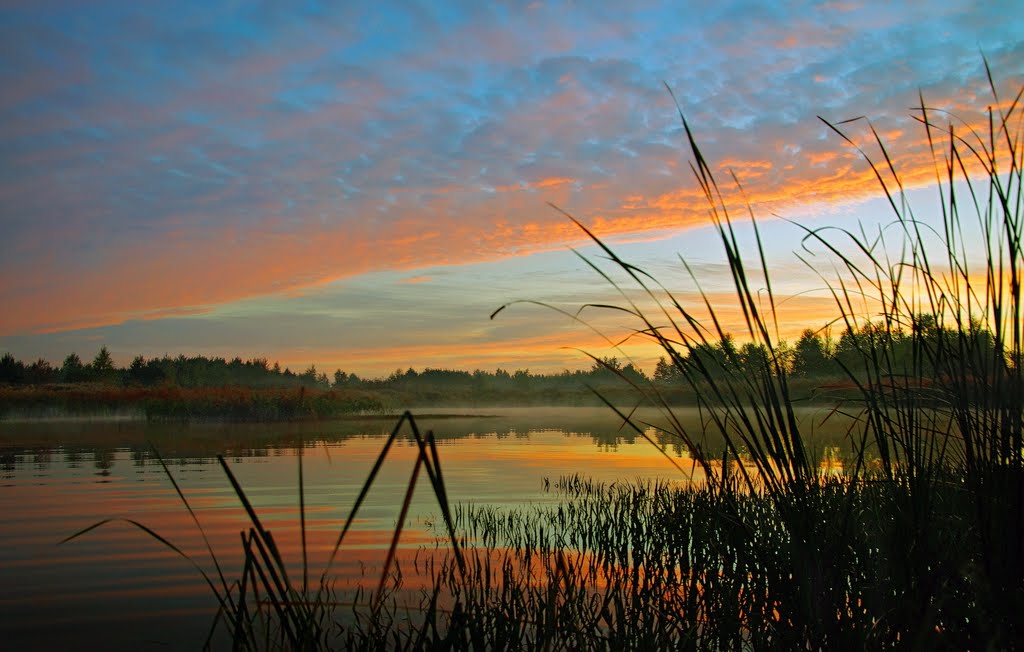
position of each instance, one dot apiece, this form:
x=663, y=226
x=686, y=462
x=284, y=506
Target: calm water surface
x=118, y=588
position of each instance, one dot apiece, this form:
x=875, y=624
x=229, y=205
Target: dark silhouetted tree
x=41, y=372
x=665, y=373
x=810, y=356
x=755, y=359
x=11, y=370
x=102, y=366
x=72, y=370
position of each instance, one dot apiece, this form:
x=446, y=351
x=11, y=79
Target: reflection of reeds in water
x=266, y=607
x=916, y=540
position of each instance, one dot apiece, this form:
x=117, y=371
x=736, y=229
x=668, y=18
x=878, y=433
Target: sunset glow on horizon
x=359, y=188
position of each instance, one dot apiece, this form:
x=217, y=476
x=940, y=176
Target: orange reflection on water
x=118, y=573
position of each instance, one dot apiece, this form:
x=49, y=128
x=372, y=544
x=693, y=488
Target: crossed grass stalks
x=302, y=616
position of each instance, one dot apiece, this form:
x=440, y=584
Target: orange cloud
x=552, y=182
x=187, y=268
x=538, y=353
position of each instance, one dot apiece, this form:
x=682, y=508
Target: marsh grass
x=664, y=567
x=915, y=542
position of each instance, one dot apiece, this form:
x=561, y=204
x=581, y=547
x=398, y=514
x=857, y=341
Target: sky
x=359, y=185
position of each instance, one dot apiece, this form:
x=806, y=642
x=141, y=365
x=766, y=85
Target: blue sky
x=358, y=185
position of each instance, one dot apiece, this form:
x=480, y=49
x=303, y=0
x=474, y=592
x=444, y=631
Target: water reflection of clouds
x=50, y=491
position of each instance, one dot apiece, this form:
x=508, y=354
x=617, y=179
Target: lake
x=118, y=587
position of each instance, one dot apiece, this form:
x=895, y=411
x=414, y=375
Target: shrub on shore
x=185, y=404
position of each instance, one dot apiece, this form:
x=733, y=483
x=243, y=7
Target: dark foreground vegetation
x=912, y=539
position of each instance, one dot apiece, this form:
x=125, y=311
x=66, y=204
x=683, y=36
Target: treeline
x=815, y=357
x=181, y=371
x=200, y=372
x=819, y=357
x=604, y=373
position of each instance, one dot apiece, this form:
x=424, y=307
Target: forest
x=817, y=366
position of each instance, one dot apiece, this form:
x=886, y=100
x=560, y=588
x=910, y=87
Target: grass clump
x=657, y=566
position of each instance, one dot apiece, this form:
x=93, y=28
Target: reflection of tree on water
x=8, y=462
x=42, y=458
x=199, y=444
x=73, y=458
x=103, y=460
